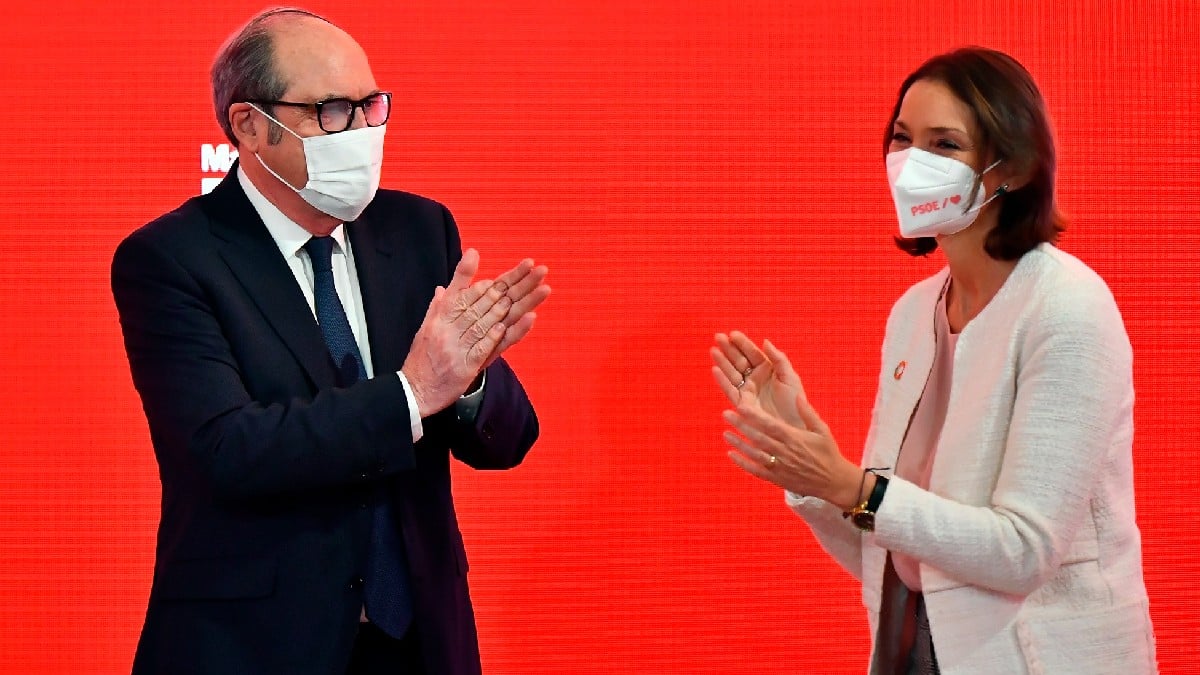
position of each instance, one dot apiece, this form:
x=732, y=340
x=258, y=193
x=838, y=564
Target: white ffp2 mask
x=932, y=193
x=343, y=169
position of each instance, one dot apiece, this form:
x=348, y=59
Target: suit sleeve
x=204, y=422
x=506, y=425
x=505, y=428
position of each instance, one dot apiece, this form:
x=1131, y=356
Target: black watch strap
x=876, y=498
x=863, y=516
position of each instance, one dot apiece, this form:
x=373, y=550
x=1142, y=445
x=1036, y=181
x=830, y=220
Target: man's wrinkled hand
x=467, y=326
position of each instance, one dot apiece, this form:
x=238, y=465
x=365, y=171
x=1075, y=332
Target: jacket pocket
x=216, y=579
x=1116, y=640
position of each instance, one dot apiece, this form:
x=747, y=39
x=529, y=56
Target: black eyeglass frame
x=320, y=105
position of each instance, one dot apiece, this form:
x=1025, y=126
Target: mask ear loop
x=260, y=160
x=270, y=117
x=1003, y=189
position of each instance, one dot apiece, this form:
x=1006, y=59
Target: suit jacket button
x=356, y=583
x=364, y=475
x=488, y=432
x=362, y=505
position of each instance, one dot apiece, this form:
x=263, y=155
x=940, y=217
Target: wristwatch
x=863, y=515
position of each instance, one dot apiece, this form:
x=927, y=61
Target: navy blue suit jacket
x=268, y=467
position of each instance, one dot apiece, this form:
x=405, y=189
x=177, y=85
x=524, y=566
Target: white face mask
x=933, y=193
x=343, y=169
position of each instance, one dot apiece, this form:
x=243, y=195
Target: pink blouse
x=915, y=462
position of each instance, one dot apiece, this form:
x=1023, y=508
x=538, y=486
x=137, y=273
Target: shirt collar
x=288, y=234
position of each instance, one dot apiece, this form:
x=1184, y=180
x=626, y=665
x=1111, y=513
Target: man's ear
x=246, y=127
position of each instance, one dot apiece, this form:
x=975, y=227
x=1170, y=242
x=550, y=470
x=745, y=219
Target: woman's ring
x=772, y=460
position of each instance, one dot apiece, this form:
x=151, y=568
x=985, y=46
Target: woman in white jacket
x=991, y=521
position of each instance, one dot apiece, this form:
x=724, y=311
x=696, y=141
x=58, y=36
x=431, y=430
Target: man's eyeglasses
x=337, y=114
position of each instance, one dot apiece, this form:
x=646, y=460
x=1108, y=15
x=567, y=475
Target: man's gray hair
x=244, y=69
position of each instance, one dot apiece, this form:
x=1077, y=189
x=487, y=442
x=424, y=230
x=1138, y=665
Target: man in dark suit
x=310, y=351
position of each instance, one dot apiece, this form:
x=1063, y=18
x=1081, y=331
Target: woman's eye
x=947, y=145
x=900, y=137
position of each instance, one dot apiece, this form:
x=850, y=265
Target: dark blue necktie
x=388, y=596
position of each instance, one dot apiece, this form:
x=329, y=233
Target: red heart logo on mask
x=955, y=199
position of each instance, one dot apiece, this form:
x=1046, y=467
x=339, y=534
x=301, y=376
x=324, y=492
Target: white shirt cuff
x=414, y=415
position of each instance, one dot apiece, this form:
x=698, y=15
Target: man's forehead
x=320, y=61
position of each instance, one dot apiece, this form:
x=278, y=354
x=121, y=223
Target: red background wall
x=684, y=168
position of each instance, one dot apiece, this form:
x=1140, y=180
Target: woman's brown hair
x=1014, y=127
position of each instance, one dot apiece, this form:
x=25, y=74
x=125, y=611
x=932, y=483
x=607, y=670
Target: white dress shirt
x=291, y=238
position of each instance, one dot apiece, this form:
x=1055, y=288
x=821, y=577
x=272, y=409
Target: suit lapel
x=384, y=283
x=254, y=259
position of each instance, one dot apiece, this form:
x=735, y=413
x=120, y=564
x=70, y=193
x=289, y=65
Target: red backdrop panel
x=683, y=168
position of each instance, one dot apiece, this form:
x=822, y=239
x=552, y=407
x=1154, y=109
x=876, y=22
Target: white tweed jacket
x=1030, y=554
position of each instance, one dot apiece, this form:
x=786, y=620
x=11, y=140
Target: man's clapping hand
x=467, y=326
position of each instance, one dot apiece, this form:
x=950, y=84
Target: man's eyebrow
x=333, y=95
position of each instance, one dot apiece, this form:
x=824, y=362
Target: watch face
x=864, y=521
